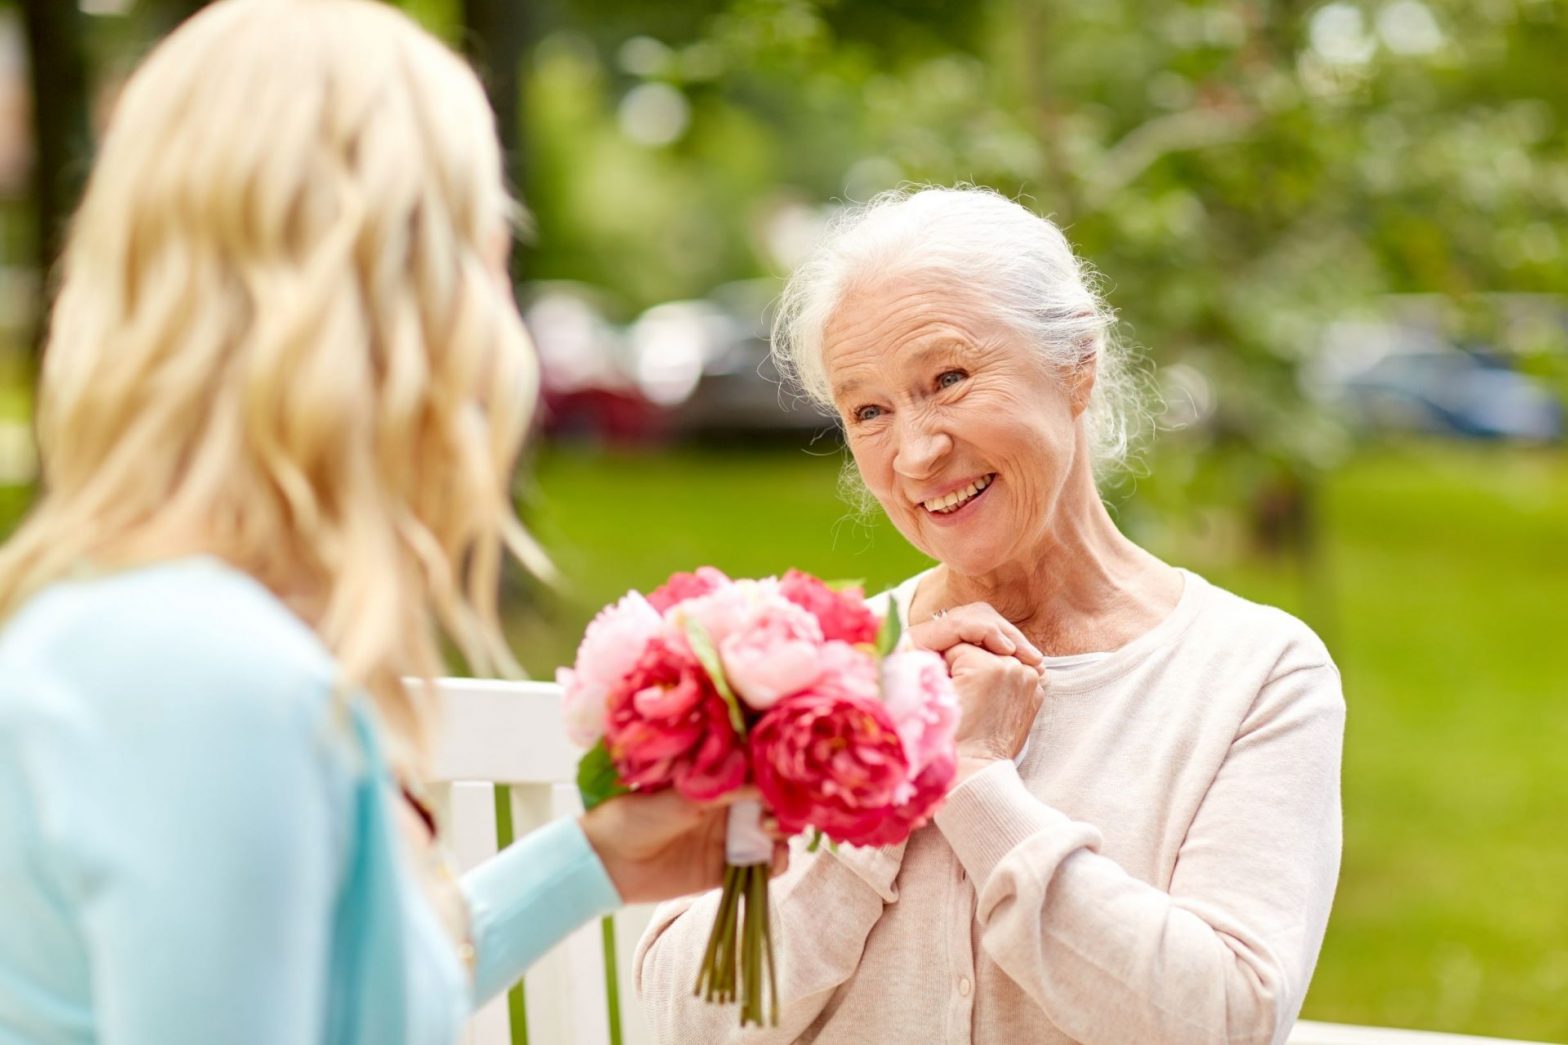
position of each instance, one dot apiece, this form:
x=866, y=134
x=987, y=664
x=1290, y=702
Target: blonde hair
x=277, y=330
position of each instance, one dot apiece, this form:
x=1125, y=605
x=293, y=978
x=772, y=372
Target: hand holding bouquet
x=788, y=684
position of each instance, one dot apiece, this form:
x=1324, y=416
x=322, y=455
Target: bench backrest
x=501, y=749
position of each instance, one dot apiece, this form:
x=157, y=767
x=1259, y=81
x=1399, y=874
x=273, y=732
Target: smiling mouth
x=950, y=503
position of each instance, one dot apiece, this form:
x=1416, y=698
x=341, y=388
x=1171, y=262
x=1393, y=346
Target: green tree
x=60, y=85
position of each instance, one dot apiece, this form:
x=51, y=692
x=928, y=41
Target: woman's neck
x=1082, y=587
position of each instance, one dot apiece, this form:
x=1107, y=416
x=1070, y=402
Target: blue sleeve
x=198, y=836
x=529, y=898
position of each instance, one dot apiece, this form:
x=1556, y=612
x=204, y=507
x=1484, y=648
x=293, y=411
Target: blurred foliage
x=1239, y=171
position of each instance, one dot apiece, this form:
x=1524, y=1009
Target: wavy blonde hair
x=280, y=339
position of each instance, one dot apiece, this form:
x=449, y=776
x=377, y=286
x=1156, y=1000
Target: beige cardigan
x=1159, y=867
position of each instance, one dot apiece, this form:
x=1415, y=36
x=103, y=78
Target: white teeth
x=957, y=497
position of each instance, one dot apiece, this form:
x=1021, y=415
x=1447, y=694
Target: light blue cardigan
x=197, y=843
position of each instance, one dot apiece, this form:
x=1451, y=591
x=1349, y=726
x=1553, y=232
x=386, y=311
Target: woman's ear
x=1080, y=380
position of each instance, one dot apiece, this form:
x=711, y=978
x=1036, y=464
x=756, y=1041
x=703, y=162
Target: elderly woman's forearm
x=1226, y=950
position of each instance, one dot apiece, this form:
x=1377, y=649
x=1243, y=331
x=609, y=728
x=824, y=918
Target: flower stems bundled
x=743, y=903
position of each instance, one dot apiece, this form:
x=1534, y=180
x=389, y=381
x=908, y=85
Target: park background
x=1334, y=230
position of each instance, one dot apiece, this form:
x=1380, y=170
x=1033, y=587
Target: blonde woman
x=281, y=397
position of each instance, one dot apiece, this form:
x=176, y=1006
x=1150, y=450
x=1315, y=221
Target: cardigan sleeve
x=528, y=898
x=1227, y=952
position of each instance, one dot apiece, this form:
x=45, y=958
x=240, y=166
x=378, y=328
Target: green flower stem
x=707, y=976
x=738, y=960
x=767, y=944
x=756, y=903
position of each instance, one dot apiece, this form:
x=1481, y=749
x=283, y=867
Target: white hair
x=1020, y=262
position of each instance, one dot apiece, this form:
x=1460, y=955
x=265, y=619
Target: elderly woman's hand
x=978, y=625
x=999, y=697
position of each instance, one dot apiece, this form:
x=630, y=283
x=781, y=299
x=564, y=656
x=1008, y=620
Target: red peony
x=683, y=586
x=843, y=614
x=929, y=789
x=667, y=726
x=830, y=759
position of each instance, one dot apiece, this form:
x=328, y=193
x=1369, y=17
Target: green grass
x=1440, y=589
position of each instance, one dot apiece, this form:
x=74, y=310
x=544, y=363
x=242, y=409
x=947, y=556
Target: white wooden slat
x=1308, y=1032
x=547, y=985
x=502, y=732
x=588, y=1000
x=468, y=809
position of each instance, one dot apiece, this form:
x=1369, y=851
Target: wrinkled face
x=961, y=431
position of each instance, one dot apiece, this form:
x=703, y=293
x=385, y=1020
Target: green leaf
x=708, y=657
x=816, y=841
x=892, y=630
x=597, y=778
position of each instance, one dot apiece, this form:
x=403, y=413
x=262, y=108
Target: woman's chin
x=969, y=555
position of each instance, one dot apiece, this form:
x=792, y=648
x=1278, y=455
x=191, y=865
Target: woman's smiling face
x=960, y=430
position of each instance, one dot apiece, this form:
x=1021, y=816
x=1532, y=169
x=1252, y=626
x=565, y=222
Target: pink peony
x=775, y=652
x=843, y=615
x=683, y=586
x=921, y=702
x=852, y=670
x=720, y=612
x=611, y=646
x=925, y=795
x=831, y=759
x=668, y=727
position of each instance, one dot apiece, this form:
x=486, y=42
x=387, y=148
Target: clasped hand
x=998, y=675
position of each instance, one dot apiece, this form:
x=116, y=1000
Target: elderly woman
x=1143, y=838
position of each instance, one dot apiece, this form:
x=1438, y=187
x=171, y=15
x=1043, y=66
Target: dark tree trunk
x=496, y=35
x=170, y=13
x=62, y=142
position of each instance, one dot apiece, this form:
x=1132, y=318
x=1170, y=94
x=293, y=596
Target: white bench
x=509, y=736
x=1308, y=1032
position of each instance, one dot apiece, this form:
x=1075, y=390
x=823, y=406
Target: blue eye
x=867, y=413
x=950, y=378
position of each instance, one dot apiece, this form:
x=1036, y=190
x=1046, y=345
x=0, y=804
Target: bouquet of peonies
x=790, y=684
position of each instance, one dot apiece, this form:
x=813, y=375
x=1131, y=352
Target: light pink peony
x=775, y=652
x=922, y=703
x=853, y=671
x=611, y=646
x=721, y=611
x=668, y=727
x=843, y=615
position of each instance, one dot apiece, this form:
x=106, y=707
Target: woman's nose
x=921, y=450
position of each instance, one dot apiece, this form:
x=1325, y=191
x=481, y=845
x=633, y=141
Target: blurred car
x=1391, y=377
x=706, y=361
x=585, y=387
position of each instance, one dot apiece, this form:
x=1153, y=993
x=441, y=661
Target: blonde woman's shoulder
x=164, y=637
